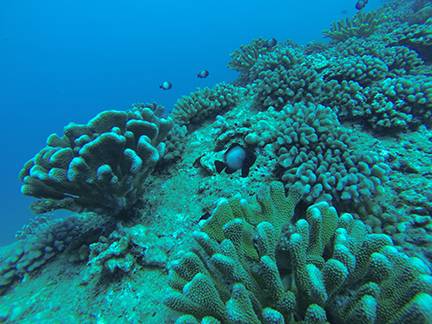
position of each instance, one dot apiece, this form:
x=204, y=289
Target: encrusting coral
x=98, y=166
x=42, y=240
x=255, y=265
x=124, y=251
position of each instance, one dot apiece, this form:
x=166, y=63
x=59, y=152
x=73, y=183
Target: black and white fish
x=361, y=4
x=203, y=74
x=166, y=85
x=236, y=158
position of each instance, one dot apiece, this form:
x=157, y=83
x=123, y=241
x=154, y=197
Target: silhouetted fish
x=361, y=4
x=236, y=158
x=203, y=74
x=166, y=85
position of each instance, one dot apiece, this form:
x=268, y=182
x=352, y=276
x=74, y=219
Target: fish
x=166, y=85
x=203, y=74
x=361, y=4
x=236, y=157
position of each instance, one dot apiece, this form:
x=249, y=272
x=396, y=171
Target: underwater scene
x=286, y=179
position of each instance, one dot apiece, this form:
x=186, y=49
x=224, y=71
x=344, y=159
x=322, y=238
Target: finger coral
x=325, y=267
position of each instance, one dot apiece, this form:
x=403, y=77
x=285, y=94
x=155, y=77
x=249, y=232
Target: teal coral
x=205, y=104
x=363, y=24
x=247, y=55
x=360, y=276
x=282, y=86
x=362, y=69
x=99, y=166
x=44, y=239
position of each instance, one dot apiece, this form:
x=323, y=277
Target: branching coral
x=315, y=150
x=363, y=24
x=324, y=268
x=98, y=166
x=247, y=55
x=206, y=103
x=399, y=103
x=281, y=86
x=417, y=37
x=362, y=69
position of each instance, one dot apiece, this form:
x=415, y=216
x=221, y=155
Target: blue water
x=63, y=61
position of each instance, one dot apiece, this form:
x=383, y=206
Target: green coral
x=399, y=103
x=280, y=86
x=322, y=268
x=362, y=69
x=98, y=166
x=361, y=25
x=205, y=104
x=416, y=36
x=247, y=55
x=314, y=149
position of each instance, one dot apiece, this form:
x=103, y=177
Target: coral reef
x=280, y=86
x=246, y=270
x=42, y=240
x=305, y=143
x=124, y=250
x=314, y=149
x=244, y=58
x=206, y=103
x=341, y=132
x=418, y=37
x=98, y=166
x=362, y=25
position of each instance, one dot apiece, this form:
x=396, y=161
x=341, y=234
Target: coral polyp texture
x=44, y=239
x=314, y=149
x=98, y=166
x=252, y=267
x=243, y=59
x=205, y=104
x=363, y=24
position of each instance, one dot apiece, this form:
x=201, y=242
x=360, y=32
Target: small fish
x=236, y=158
x=361, y=4
x=203, y=74
x=166, y=85
x=344, y=12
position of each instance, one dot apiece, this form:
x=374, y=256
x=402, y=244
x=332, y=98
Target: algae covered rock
x=124, y=251
x=44, y=239
x=98, y=166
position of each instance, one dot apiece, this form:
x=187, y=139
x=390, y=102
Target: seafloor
x=301, y=193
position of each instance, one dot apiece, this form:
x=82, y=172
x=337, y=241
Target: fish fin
x=229, y=170
x=220, y=166
x=245, y=171
x=196, y=163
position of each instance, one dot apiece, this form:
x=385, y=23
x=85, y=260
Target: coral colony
x=330, y=223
